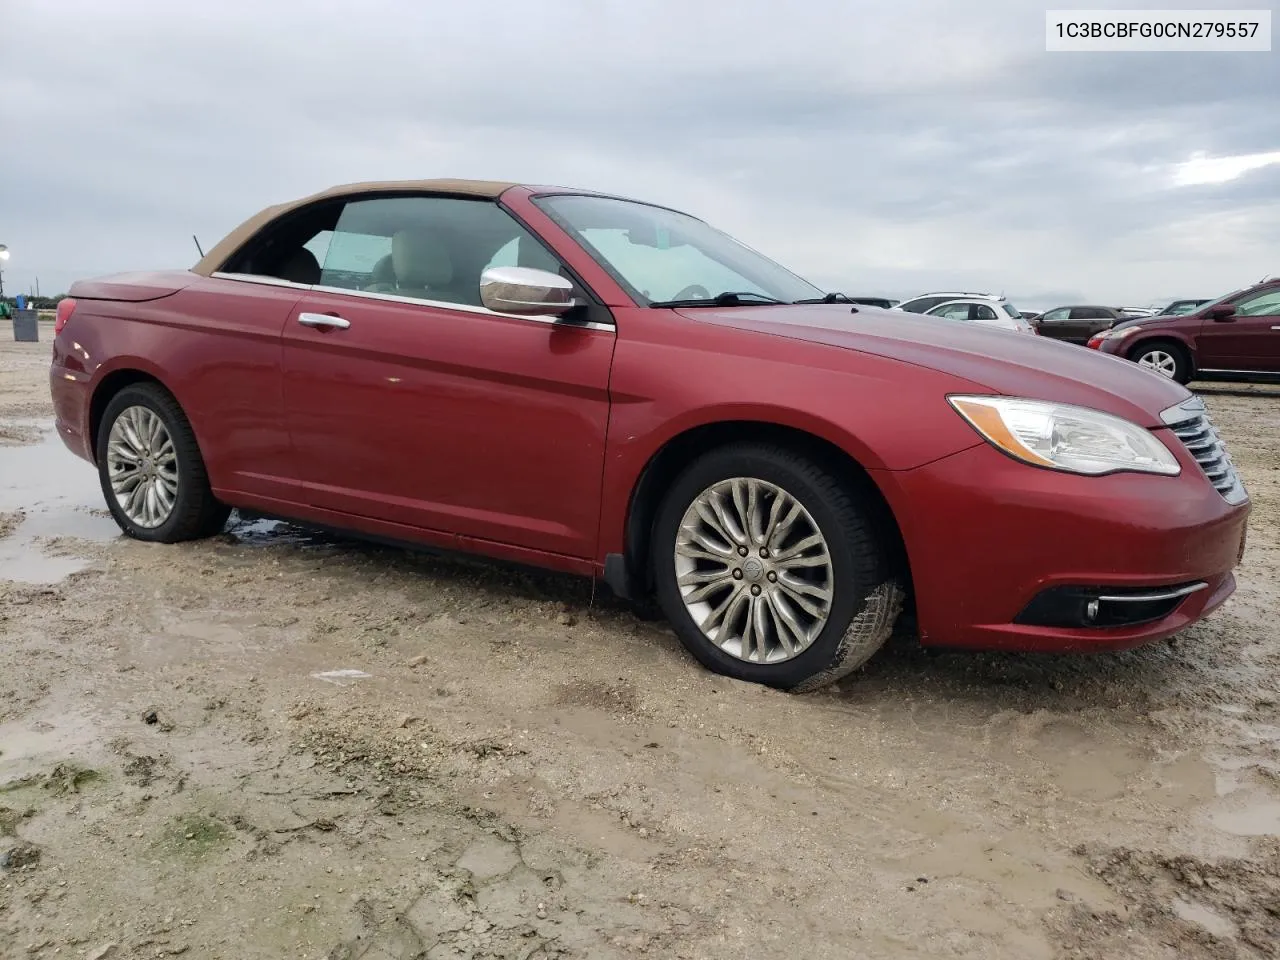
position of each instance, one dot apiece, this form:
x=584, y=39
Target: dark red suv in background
x=1235, y=336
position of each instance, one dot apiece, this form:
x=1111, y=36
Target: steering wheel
x=694, y=291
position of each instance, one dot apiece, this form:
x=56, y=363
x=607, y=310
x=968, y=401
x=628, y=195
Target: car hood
x=1003, y=362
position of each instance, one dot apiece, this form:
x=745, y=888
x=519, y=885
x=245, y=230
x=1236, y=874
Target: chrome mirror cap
x=526, y=291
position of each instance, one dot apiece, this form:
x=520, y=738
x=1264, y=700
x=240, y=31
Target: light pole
x=4, y=255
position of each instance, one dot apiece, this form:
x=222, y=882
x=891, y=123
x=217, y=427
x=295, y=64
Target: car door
x=231, y=387
x=412, y=404
x=1247, y=340
x=1081, y=321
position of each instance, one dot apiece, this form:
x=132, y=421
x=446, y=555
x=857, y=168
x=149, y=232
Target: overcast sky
x=877, y=147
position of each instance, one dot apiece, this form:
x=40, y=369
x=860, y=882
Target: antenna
x=197, y=243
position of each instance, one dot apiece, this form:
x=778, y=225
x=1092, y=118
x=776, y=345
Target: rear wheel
x=1164, y=357
x=151, y=470
x=770, y=571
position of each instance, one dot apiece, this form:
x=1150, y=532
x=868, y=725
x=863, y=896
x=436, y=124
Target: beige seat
x=421, y=264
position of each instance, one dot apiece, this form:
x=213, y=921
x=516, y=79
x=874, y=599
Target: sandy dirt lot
x=524, y=771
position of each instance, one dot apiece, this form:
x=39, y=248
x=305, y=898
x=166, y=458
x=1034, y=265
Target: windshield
x=659, y=255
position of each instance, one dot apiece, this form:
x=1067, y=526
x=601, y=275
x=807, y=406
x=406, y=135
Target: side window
x=1059, y=314
x=983, y=312
x=523, y=251
x=1260, y=305
x=351, y=258
x=427, y=248
x=956, y=311
x=291, y=248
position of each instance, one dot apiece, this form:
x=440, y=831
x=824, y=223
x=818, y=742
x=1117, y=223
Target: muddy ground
x=528, y=772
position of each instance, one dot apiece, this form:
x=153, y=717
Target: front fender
x=883, y=413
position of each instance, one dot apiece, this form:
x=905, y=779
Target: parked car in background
x=882, y=302
x=1233, y=337
x=1077, y=324
x=927, y=301
x=614, y=389
x=988, y=313
x=1180, y=307
x=1030, y=314
x=1134, y=312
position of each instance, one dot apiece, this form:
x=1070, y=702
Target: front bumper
x=986, y=535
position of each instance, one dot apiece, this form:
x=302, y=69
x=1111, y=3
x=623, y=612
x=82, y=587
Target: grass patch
x=195, y=834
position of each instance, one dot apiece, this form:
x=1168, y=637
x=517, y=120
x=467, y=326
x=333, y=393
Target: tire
x=175, y=468
x=1164, y=357
x=863, y=600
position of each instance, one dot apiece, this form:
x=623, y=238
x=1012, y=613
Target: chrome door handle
x=1275, y=328
x=323, y=320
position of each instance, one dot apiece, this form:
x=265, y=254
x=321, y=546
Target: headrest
x=420, y=259
x=301, y=267
x=383, y=271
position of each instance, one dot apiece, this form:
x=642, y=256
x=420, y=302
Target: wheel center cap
x=753, y=569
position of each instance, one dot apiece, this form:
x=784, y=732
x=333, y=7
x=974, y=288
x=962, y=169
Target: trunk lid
x=133, y=287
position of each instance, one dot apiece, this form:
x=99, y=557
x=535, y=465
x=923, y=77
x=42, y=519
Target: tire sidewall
x=854, y=577
x=144, y=397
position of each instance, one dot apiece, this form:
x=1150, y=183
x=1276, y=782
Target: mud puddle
x=47, y=494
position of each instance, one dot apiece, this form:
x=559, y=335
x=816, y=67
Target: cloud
x=1204, y=169
x=878, y=149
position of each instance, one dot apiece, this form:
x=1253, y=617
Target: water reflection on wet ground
x=53, y=495
x=57, y=496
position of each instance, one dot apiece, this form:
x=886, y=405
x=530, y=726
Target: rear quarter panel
x=215, y=345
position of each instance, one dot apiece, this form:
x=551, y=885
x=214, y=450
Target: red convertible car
x=615, y=389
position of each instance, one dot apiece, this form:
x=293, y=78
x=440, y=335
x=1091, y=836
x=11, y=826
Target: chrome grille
x=1191, y=423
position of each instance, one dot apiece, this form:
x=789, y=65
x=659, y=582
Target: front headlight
x=1063, y=437
x=1120, y=334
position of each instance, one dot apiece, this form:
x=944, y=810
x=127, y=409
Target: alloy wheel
x=142, y=465
x=1161, y=361
x=754, y=570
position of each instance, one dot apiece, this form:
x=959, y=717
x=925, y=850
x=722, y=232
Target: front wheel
x=770, y=570
x=1163, y=357
x=151, y=470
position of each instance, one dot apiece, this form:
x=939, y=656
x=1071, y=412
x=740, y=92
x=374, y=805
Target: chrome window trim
x=411, y=301
x=259, y=278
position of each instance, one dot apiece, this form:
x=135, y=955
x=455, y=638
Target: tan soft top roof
x=211, y=261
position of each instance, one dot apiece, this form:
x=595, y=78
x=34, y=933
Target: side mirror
x=1222, y=313
x=525, y=291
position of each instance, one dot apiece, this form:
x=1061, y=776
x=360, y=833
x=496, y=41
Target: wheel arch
x=630, y=574
x=106, y=388
x=1164, y=336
